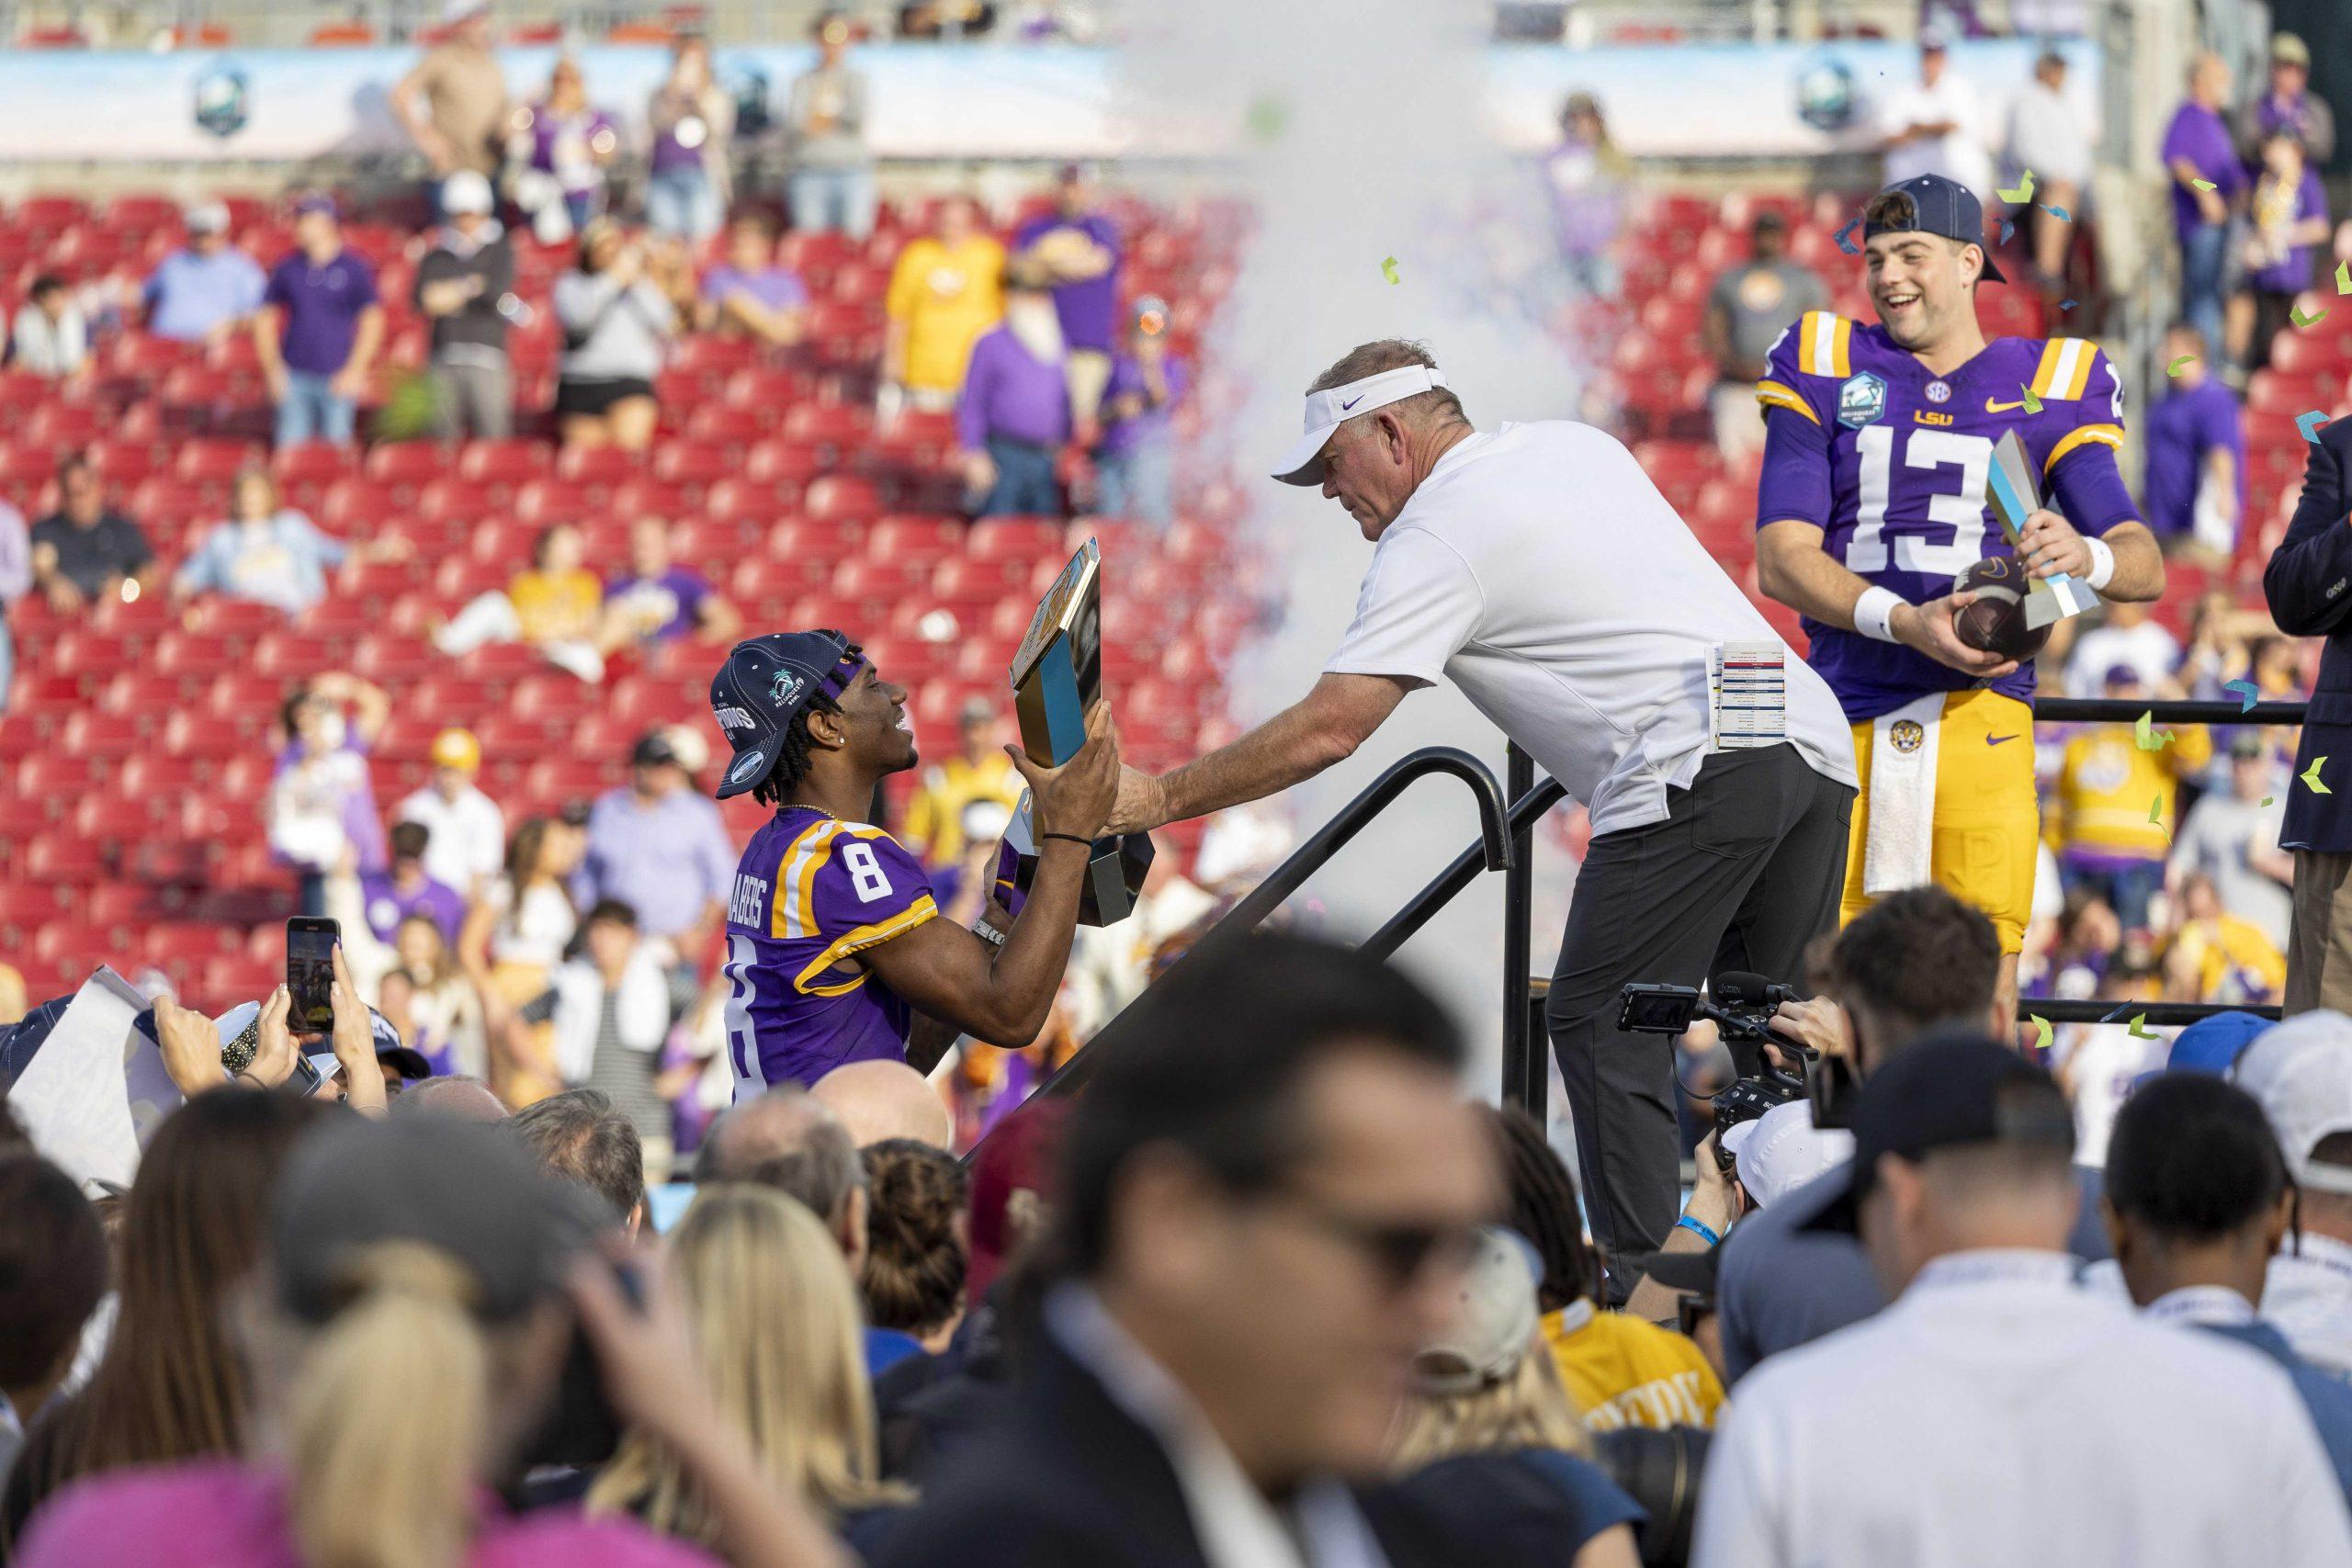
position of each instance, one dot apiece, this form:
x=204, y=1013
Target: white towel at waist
x=1899, y=850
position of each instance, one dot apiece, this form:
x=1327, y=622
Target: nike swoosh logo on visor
x=1352, y=402
x=1996, y=739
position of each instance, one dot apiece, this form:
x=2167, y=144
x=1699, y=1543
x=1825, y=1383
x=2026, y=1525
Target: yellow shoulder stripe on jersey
x=858, y=940
x=2084, y=434
x=2065, y=367
x=791, y=916
x=1773, y=395
x=1823, y=337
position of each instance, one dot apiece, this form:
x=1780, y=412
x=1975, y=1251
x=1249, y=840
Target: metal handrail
x=2096, y=710
x=1525, y=812
x=2093, y=1010
x=1495, y=842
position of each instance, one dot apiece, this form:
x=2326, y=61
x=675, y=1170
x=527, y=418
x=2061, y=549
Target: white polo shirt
x=1997, y=1415
x=1539, y=569
x=467, y=841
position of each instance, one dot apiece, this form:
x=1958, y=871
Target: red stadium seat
x=104, y=737
x=504, y=462
x=687, y=462
x=206, y=459
x=64, y=857
x=600, y=466
x=841, y=496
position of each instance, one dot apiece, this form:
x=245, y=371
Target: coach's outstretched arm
x=1322, y=727
x=1003, y=995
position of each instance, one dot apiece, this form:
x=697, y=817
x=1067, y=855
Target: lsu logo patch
x=1862, y=401
x=1907, y=735
x=787, y=688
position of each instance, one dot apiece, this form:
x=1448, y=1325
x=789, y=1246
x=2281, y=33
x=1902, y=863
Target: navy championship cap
x=1943, y=207
x=764, y=685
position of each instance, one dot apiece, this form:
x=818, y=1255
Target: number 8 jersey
x=1889, y=460
x=810, y=892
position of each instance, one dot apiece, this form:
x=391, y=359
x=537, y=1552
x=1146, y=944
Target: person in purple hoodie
x=404, y=890
x=1074, y=251
x=1012, y=417
x=1134, y=464
x=567, y=143
x=2208, y=182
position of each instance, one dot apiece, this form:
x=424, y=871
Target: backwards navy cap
x=764, y=685
x=1943, y=207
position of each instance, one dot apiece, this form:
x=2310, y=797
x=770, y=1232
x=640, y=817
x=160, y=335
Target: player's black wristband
x=1073, y=838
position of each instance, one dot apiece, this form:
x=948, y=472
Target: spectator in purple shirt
x=565, y=143
x=2290, y=103
x=1135, y=464
x=405, y=890
x=322, y=807
x=748, y=292
x=1075, y=252
x=2194, y=487
x=1013, y=416
x=318, y=358
x=693, y=121
x=658, y=600
x=2287, y=216
x=2198, y=152
x=1586, y=177
x=660, y=847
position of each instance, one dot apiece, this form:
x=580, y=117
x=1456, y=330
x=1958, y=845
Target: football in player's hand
x=1996, y=622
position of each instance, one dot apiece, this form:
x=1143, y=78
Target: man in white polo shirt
x=1538, y=568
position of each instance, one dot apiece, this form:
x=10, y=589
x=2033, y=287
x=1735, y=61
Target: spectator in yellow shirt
x=946, y=290
x=978, y=771
x=2116, y=800
x=1619, y=1371
x=557, y=607
x=2217, y=957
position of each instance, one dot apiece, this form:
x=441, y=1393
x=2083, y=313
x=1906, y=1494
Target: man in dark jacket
x=1270, y=1193
x=465, y=286
x=2309, y=584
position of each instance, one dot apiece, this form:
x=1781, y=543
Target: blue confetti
x=1846, y=245
x=2246, y=692
x=2007, y=229
x=2065, y=304
x=2309, y=423
x=2060, y=213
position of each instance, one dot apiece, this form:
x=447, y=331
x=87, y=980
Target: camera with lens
x=1741, y=1006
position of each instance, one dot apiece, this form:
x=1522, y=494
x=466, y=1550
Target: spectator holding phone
x=619, y=309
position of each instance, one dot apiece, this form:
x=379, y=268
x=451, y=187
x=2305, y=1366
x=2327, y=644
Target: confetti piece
x=2032, y=403
x=2178, y=366
x=2023, y=192
x=2246, y=694
x=2060, y=213
x=2140, y=1030
x=2313, y=320
x=2202, y=184
x=2343, y=277
x=2150, y=738
x=2310, y=777
x=1388, y=268
x=2007, y=229
x=2268, y=798
x=2041, y=1031
x=2065, y=304
x=2156, y=815
x=1846, y=245
x=2309, y=423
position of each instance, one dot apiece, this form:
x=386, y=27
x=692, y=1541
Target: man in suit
x=2308, y=585
x=1269, y=1196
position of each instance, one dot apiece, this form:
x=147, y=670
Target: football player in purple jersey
x=835, y=950
x=1873, y=500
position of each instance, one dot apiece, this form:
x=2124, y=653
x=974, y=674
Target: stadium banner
x=972, y=100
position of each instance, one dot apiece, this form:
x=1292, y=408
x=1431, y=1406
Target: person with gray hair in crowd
x=581, y=1136
x=1537, y=567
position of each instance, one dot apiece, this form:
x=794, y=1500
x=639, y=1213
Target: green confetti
x=2202, y=184
x=2157, y=817
x=2314, y=319
x=2041, y=1031
x=2024, y=192
x=1269, y=116
x=2268, y=798
x=2178, y=366
x=2140, y=1030
x=2150, y=738
x=1388, y=268
x=2310, y=777
x=2032, y=403
x=2343, y=277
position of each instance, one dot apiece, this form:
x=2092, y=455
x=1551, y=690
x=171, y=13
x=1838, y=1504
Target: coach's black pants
x=1747, y=869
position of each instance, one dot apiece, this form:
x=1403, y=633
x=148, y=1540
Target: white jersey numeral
x=864, y=872
x=1963, y=510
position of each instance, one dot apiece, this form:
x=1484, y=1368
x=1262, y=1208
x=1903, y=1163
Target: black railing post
x=1523, y=1083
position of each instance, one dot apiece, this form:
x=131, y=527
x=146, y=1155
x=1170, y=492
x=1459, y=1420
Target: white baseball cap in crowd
x=2301, y=1072
x=1494, y=1322
x=207, y=218
x=1334, y=406
x=1781, y=1150
x=467, y=191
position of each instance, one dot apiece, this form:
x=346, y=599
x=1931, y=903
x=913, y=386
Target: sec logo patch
x=1906, y=735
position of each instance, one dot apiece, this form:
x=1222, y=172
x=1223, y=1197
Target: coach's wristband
x=1687, y=1224
x=1874, y=612
x=2102, y=571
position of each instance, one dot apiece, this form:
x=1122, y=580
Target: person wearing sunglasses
x=1271, y=1193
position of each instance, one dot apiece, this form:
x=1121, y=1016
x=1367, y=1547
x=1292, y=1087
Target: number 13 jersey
x=1889, y=460
x=812, y=891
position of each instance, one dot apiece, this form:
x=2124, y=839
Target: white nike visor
x=1333, y=407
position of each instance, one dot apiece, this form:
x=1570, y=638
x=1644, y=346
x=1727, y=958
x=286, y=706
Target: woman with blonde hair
x=407, y=1335
x=776, y=1326
x=511, y=944
x=1487, y=1387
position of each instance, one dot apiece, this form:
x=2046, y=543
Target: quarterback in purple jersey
x=1873, y=500
x=835, y=950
